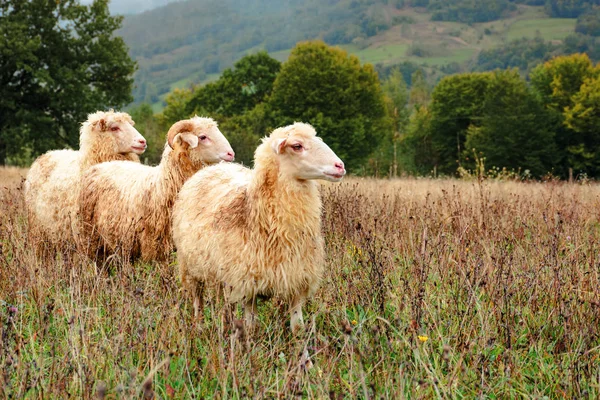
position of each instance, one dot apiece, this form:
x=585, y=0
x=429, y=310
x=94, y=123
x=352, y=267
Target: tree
x=59, y=61
x=513, y=131
x=556, y=82
x=239, y=89
x=149, y=126
x=396, y=101
x=584, y=118
x=325, y=87
x=416, y=147
x=589, y=23
x=456, y=105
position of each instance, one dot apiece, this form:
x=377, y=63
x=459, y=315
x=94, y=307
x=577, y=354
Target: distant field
x=374, y=55
x=549, y=29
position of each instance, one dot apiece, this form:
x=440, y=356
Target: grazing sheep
x=53, y=182
x=257, y=232
x=126, y=207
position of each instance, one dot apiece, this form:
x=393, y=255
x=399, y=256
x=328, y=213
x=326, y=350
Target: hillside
x=193, y=41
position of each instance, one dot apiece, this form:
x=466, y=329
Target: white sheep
x=53, y=182
x=257, y=232
x=126, y=208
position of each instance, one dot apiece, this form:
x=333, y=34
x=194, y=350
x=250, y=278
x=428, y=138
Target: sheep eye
x=297, y=147
x=203, y=137
x=114, y=128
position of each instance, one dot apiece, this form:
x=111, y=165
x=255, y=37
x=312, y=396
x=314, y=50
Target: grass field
x=433, y=289
x=548, y=29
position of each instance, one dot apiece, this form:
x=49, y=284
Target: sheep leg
x=296, y=320
x=199, y=301
x=250, y=312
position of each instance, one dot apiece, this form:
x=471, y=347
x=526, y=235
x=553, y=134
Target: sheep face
x=202, y=139
x=303, y=155
x=112, y=127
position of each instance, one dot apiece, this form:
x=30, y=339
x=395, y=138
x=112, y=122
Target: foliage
x=513, y=132
x=468, y=10
x=386, y=158
x=557, y=82
x=149, y=126
x=568, y=8
x=523, y=54
x=583, y=117
x=456, y=104
x=578, y=43
x=589, y=23
x=327, y=88
x=58, y=62
x=240, y=89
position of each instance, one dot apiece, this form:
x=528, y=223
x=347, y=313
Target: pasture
x=433, y=289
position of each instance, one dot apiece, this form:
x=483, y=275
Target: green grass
x=374, y=55
x=547, y=28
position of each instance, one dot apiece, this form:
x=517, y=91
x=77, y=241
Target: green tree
x=456, y=105
x=556, y=82
x=416, y=146
x=396, y=101
x=59, y=61
x=589, y=23
x=327, y=88
x=584, y=118
x=149, y=126
x=513, y=132
x=177, y=108
x=239, y=89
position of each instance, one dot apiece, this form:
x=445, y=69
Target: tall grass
x=434, y=288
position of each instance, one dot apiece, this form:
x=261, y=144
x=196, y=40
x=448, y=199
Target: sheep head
x=201, y=139
x=303, y=155
x=114, y=127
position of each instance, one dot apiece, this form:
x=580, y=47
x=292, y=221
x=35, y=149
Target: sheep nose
x=340, y=166
x=230, y=155
x=142, y=142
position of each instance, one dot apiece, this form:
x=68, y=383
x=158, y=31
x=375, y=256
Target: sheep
x=257, y=232
x=53, y=183
x=126, y=207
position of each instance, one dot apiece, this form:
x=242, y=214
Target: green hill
x=191, y=42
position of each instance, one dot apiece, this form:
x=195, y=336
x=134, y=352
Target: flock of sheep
x=248, y=232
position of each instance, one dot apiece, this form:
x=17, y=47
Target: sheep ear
x=189, y=138
x=278, y=145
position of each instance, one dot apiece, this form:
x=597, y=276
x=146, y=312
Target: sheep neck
x=98, y=154
x=279, y=201
x=174, y=169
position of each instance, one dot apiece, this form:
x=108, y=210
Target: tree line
x=67, y=62
x=544, y=125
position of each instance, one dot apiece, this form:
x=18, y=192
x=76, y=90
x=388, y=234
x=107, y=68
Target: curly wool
x=126, y=209
x=53, y=185
x=250, y=230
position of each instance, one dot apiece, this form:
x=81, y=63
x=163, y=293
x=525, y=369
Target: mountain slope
x=192, y=41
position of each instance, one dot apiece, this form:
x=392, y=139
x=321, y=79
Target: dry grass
x=434, y=289
x=12, y=176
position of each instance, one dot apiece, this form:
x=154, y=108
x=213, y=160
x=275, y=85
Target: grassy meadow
x=433, y=289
